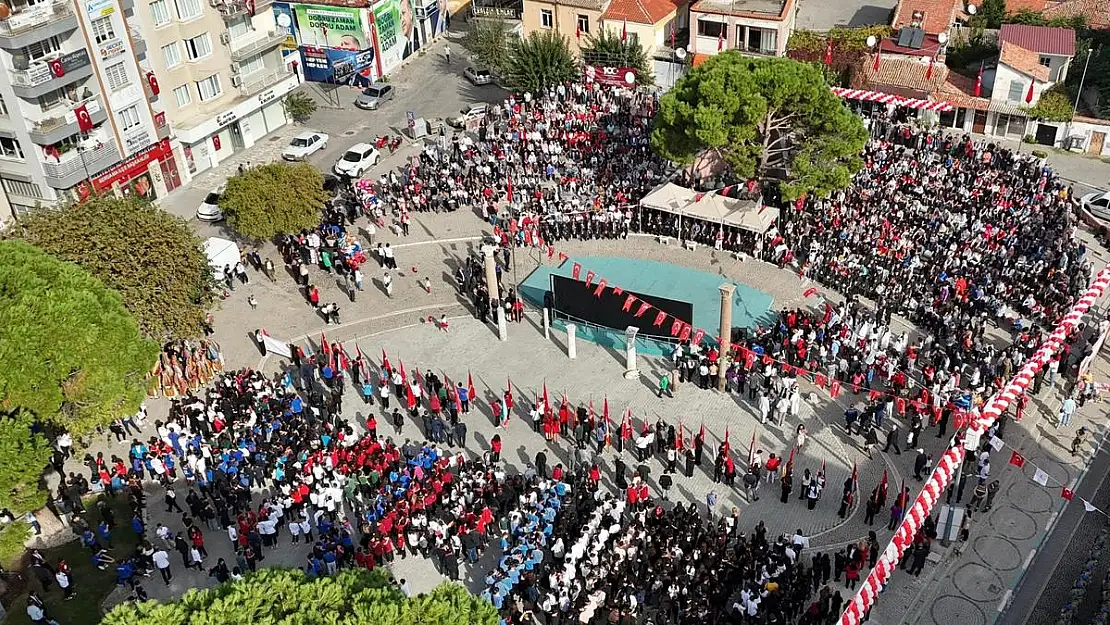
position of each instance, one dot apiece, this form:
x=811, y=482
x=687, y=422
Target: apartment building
x=74, y=117
x=215, y=68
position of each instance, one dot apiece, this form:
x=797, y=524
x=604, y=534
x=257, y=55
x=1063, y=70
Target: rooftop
x=1017, y=6
x=900, y=76
x=1025, y=61
x=1097, y=12
x=763, y=9
x=639, y=11
x=935, y=16
x=1042, y=39
x=930, y=46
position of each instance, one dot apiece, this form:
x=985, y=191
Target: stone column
x=725, y=337
x=572, y=336
x=496, y=308
x=546, y=324
x=630, y=370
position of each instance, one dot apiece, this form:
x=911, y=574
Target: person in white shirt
x=162, y=563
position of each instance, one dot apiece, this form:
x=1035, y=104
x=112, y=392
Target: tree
x=608, y=50
x=70, y=353
x=541, y=60
x=26, y=452
x=764, y=118
x=151, y=258
x=1054, y=105
x=351, y=597
x=299, y=106
x=272, y=199
x=991, y=14
x=489, y=41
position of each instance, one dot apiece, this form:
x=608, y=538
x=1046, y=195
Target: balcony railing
x=47, y=124
x=29, y=17
x=39, y=71
x=251, y=85
x=234, y=8
x=75, y=161
x=268, y=41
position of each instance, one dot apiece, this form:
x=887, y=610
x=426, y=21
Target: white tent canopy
x=221, y=253
x=748, y=215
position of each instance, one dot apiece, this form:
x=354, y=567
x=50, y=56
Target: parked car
x=304, y=145
x=476, y=111
x=209, y=209
x=356, y=160
x=373, y=96
x=478, y=75
x=1098, y=203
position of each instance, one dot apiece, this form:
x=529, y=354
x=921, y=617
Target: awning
x=886, y=98
x=748, y=215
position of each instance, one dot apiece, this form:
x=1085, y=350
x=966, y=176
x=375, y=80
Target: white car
x=475, y=112
x=356, y=160
x=1098, y=203
x=209, y=209
x=304, y=145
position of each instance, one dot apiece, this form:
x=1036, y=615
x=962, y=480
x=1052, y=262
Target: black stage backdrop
x=574, y=299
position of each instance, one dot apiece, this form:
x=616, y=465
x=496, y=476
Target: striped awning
x=886, y=98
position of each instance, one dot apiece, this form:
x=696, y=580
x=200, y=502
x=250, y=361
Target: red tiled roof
x=938, y=14
x=900, y=76
x=639, y=11
x=1097, y=12
x=929, y=47
x=1017, y=6
x=1043, y=39
x=959, y=90
x=1025, y=61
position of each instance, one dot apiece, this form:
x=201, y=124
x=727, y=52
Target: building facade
x=755, y=27
x=573, y=19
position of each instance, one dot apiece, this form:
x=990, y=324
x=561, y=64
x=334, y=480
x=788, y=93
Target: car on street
x=478, y=75
x=1098, y=203
x=374, y=96
x=304, y=145
x=356, y=160
x=209, y=209
x=475, y=112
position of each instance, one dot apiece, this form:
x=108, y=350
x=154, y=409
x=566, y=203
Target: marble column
x=496, y=307
x=725, y=336
x=630, y=370
x=572, y=336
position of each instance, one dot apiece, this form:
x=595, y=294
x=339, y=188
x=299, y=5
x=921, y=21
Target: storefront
x=234, y=130
x=149, y=173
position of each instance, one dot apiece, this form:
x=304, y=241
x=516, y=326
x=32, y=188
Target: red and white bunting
x=887, y=98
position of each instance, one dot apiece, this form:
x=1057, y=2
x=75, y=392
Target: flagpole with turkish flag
x=878, y=55
x=1029, y=94
x=546, y=403
x=726, y=443
x=929, y=72
x=624, y=30
x=608, y=424
x=470, y=388
x=385, y=363
x=679, y=443
x=979, y=81
x=828, y=52
x=751, y=451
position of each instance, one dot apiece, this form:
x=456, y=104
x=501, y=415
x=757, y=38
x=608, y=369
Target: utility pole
x=1079, y=93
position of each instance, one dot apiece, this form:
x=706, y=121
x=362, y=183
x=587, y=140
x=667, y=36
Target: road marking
x=1005, y=600
x=1028, y=560
x=1051, y=521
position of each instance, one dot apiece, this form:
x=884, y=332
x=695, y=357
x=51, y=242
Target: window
x=129, y=118
x=182, y=96
x=42, y=48
x=584, y=24
x=18, y=187
x=159, y=12
x=209, y=88
x=48, y=101
x=3, y=107
x=10, y=148
x=241, y=27
x=188, y=9
x=198, y=47
x=547, y=20
x=116, y=76
x=171, y=55
x=1045, y=61
x=710, y=28
x=252, y=65
x=762, y=41
x=102, y=29
x=1017, y=91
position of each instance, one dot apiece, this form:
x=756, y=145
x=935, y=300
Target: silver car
x=478, y=75
x=373, y=96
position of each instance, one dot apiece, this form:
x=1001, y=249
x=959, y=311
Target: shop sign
x=112, y=49
x=133, y=166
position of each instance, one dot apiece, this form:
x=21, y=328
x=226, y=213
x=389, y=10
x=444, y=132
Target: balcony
x=266, y=42
x=50, y=130
x=137, y=42
x=29, y=24
x=77, y=165
x=127, y=5
x=250, y=85
x=39, y=79
x=231, y=9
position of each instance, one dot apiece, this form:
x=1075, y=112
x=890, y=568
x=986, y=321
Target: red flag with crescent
x=644, y=307
x=660, y=317
x=84, y=120
x=628, y=301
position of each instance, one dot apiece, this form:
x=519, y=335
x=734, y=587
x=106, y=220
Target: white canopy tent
x=748, y=215
x=221, y=253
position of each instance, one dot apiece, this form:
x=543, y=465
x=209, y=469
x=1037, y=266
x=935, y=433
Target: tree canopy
x=541, y=60
x=70, y=353
x=764, y=118
x=150, y=257
x=268, y=200
x=607, y=49
x=1054, y=105
x=490, y=41
x=351, y=597
x=25, y=452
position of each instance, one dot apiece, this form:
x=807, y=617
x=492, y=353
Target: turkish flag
x=601, y=284
x=828, y=52
x=216, y=142
x=698, y=336
x=590, y=278
x=900, y=405
x=1017, y=459
x=644, y=307
x=685, y=334
x=660, y=317
x=1029, y=94
x=550, y=251
x=152, y=80
x=576, y=271
x=676, y=327
x=84, y=120
x=820, y=380
x=1067, y=493
x=57, y=68
x=834, y=389
x=628, y=301
x=749, y=359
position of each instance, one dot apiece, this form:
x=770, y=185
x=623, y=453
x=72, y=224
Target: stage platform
x=750, y=307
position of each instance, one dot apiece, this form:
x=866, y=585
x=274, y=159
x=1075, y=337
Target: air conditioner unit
x=225, y=38
x=235, y=68
x=236, y=81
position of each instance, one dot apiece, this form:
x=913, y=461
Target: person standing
x=1067, y=409
x=162, y=563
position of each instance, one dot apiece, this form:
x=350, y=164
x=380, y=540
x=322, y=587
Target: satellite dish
x=871, y=41
x=972, y=9
x=284, y=20
x=680, y=53
x=942, y=38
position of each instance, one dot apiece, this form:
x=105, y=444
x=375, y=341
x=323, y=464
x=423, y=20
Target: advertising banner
x=338, y=66
x=283, y=17
x=334, y=43
x=331, y=27
x=393, y=20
